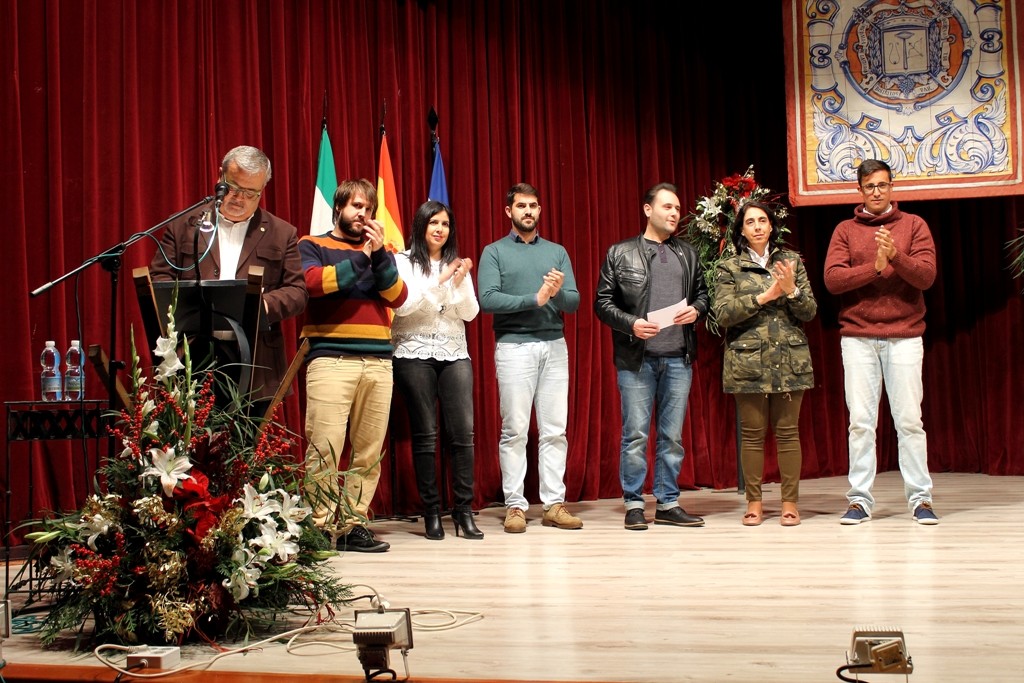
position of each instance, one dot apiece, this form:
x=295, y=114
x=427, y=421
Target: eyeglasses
x=881, y=187
x=243, y=191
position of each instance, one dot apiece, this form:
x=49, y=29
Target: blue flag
x=438, y=184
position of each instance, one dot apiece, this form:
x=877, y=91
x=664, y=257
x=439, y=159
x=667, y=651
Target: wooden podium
x=227, y=314
x=249, y=314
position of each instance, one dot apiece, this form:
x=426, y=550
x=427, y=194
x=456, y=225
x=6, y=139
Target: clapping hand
x=784, y=274
x=886, y=249
x=374, y=234
x=456, y=271
x=462, y=270
x=552, y=284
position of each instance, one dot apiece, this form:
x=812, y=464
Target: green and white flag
x=326, y=184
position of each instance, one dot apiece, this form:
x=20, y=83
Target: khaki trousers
x=348, y=396
x=782, y=412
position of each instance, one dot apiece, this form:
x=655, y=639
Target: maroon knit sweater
x=890, y=304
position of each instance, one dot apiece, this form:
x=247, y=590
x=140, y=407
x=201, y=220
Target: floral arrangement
x=709, y=227
x=201, y=531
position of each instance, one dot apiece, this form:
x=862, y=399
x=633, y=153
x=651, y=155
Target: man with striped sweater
x=352, y=283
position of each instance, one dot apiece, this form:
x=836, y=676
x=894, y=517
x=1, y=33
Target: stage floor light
x=376, y=633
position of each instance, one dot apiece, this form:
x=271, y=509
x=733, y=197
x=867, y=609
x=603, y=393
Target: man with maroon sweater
x=879, y=263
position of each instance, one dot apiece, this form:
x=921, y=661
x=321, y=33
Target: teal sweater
x=508, y=277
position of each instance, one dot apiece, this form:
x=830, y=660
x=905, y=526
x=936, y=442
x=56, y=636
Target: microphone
x=203, y=224
x=220, y=191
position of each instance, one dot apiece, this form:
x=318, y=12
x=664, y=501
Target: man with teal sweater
x=527, y=283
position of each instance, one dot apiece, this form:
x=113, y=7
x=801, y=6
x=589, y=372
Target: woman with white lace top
x=432, y=365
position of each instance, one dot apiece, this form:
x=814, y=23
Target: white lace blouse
x=431, y=322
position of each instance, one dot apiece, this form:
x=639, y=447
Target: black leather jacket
x=623, y=290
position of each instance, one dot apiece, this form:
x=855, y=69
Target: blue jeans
x=867, y=364
x=424, y=383
x=533, y=375
x=661, y=384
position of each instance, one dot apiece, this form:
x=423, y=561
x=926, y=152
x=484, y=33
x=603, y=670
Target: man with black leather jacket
x=651, y=292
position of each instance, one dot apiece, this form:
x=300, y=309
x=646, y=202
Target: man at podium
x=245, y=236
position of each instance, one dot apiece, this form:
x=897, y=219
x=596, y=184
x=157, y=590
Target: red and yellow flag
x=387, y=202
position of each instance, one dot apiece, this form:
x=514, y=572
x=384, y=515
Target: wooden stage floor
x=719, y=603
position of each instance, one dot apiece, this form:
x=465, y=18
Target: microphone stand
x=110, y=259
x=205, y=319
x=205, y=310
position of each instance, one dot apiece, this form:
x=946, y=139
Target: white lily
x=293, y=512
x=63, y=566
x=256, y=505
x=275, y=542
x=244, y=576
x=96, y=526
x=169, y=468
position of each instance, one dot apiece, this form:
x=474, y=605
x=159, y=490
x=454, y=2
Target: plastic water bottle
x=50, y=377
x=74, y=373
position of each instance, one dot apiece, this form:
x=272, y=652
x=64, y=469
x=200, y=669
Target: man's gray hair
x=249, y=159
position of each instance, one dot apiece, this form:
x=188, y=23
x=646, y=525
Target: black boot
x=465, y=525
x=432, y=522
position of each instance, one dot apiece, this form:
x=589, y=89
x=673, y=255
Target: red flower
x=732, y=182
x=740, y=185
x=206, y=514
x=198, y=486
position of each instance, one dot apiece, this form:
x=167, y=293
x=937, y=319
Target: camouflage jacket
x=765, y=346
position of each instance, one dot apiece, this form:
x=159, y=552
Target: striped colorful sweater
x=350, y=297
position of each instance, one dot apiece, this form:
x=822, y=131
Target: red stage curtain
x=117, y=112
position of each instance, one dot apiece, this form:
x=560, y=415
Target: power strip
x=155, y=658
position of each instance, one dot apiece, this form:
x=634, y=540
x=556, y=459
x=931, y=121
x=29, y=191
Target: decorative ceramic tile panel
x=931, y=87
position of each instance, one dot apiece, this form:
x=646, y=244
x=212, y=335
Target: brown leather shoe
x=559, y=516
x=515, y=521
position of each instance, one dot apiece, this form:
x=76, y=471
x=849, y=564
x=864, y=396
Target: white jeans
x=533, y=375
x=867, y=364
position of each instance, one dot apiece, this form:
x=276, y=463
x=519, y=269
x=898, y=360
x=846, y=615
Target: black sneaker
x=635, y=519
x=677, y=516
x=361, y=540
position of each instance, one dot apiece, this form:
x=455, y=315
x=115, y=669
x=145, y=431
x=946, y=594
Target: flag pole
x=385, y=181
x=323, y=120
x=321, y=220
x=432, y=121
x=438, y=188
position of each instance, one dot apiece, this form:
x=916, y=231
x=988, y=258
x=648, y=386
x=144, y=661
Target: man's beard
x=349, y=231
x=521, y=227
